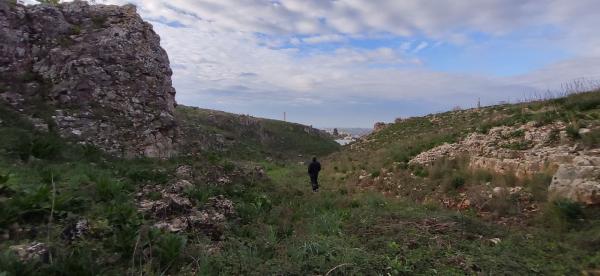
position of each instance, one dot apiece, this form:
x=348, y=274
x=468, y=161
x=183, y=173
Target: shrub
x=108, y=188
x=457, y=182
x=583, y=101
x=569, y=210
x=168, y=249
x=573, y=132
x=4, y=178
x=46, y=147
x=561, y=215
x=147, y=175
x=228, y=167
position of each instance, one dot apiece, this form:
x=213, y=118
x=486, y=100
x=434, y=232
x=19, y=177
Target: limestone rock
x=379, y=126
x=35, y=251
x=579, y=181
x=184, y=172
x=523, y=150
x=99, y=69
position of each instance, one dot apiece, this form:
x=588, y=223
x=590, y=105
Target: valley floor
x=340, y=231
x=284, y=228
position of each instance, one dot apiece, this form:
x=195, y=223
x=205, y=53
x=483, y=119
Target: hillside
x=247, y=137
x=101, y=173
x=72, y=209
x=417, y=157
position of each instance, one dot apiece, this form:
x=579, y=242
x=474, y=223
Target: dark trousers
x=314, y=180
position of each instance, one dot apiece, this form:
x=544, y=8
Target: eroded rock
x=579, y=181
x=35, y=251
x=100, y=69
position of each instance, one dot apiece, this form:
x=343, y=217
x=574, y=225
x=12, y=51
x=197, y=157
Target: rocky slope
x=527, y=150
x=94, y=73
x=521, y=155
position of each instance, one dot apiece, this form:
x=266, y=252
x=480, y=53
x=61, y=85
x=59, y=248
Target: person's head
x=314, y=159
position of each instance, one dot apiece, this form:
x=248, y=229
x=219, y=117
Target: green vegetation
x=249, y=138
x=47, y=184
x=49, y=2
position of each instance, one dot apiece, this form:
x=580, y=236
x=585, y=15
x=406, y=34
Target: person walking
x=313, y=171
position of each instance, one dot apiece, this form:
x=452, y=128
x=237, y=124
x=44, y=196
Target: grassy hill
x=399, y=142
x=247, y=137
x=48, y=186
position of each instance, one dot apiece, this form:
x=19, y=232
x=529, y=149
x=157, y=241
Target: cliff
x=92, y=73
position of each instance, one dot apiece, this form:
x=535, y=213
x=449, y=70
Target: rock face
x=379, y=126
x=527, y=150
x=523, y=150
x=579, y=181
x=95, y=73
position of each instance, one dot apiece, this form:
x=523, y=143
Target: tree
x=335, y=132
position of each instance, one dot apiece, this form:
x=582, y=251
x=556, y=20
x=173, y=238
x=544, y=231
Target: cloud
x=324, y=39
x=245, y=55
x=420, y=47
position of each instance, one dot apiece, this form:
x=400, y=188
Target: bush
x=569, y=210
x=168, y=249
x=573, y=132
x=46, y=147
x=108, y=188
x=457, y=182
x=583, y=101
x=562, y=214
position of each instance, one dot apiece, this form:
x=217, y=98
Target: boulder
x=35, y=251
x=579, y=181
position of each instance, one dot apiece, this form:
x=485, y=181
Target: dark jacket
x=314, y=168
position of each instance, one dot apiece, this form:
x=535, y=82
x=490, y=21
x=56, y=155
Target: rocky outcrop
x=379, y=126
x=523, y=150
x=174, y=210
x=95, y=73
x=579, y=181
x=526, y=150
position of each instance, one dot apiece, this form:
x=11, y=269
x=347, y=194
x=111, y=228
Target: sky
x=351, y=63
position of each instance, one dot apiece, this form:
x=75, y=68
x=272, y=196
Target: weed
x=47, y=147
x=573, y=131
x=107, y=188
x=168, y=248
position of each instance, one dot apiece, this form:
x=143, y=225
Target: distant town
x=346, y=136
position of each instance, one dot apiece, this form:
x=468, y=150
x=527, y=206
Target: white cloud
x=244, y=51
x=420, y=47
x=329, y=38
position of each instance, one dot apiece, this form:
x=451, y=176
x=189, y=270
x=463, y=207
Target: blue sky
x=351, y=63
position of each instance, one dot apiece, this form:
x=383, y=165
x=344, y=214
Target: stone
x=583, y=131
x=181, y=186
x=76, y=230
x=35, y=251
x=379, y=126
x=102, y=66
x=578, y=182
x=184, y=172
x=494, y=151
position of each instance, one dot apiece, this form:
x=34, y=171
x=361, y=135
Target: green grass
x=281, y=226
x=248, y=138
